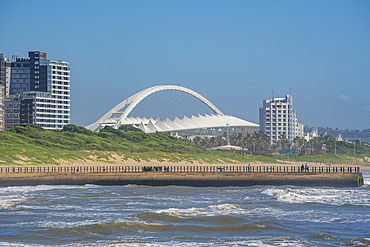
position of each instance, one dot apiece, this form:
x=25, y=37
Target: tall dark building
x=43, y=87
x=38, y=78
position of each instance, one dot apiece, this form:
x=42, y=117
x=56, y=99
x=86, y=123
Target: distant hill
x=350, y=135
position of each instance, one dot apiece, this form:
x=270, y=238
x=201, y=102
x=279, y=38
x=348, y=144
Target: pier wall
x=182, y=176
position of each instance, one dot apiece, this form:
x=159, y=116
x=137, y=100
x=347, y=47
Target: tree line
x=260, y=143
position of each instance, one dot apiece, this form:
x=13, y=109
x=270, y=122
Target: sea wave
x=213, y=210
x=324, y=196
x=11, y=196
x=148, y=242
x=15, y=189
x=118, y=227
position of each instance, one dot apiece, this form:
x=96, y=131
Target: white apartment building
x=277, y=117
x=45, y=110
x=53, y=107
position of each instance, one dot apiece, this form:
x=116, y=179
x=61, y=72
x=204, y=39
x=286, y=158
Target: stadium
x=213, y=123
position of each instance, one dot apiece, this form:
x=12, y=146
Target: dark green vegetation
x=324, y=149
x=30, y=144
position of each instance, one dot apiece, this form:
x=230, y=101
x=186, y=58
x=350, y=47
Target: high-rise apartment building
x=5, y=70
x=12, y=111
x=278, y=119
x=2, y=108
x=20, y=76
x=43, y=87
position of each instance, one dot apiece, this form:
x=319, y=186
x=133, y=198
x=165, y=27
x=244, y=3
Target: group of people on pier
x=304, y=168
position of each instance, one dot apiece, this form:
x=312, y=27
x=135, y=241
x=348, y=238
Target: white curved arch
x=134, y=100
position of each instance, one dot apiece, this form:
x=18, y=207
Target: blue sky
x=232, y=52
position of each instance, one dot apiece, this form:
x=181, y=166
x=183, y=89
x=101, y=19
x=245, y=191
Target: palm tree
x=197, y=140
x=283, y=142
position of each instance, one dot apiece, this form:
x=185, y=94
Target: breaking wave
x=324, y=196
x=11, y=196
x=214, y=210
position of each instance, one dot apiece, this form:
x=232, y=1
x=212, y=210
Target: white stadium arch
x=195, y=125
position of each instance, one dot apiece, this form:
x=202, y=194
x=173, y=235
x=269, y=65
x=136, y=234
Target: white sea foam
x=271, y=212
x=366, y=176
x=19, y=244
x=325, y=196
x=214, y=210
x=135, y=242
x=263, y=212
x=16, y=189
x=11, y=196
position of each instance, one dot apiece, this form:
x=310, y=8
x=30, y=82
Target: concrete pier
x=197, y=179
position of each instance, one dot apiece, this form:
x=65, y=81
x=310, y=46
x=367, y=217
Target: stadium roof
x=198, y=125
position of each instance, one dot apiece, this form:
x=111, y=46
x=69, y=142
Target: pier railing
x=178, y=169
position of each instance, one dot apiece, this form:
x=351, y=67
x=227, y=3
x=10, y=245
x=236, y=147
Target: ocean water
x=133, y=215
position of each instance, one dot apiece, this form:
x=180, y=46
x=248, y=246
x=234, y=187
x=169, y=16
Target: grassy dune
x=31, y=145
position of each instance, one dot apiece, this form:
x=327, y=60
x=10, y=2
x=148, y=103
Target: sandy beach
x=118, y=161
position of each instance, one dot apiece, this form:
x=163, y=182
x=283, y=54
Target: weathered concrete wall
x=336, y=179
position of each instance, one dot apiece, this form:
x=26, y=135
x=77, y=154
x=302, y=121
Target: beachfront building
x=19, y=76
x=5, y=69
x=312, y=133
x=278, y=119
x=39, y=91
x=2, y=118
x=43, y=109
x=12, y=111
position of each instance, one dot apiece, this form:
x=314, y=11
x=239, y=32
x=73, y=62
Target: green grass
x=31, y=145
